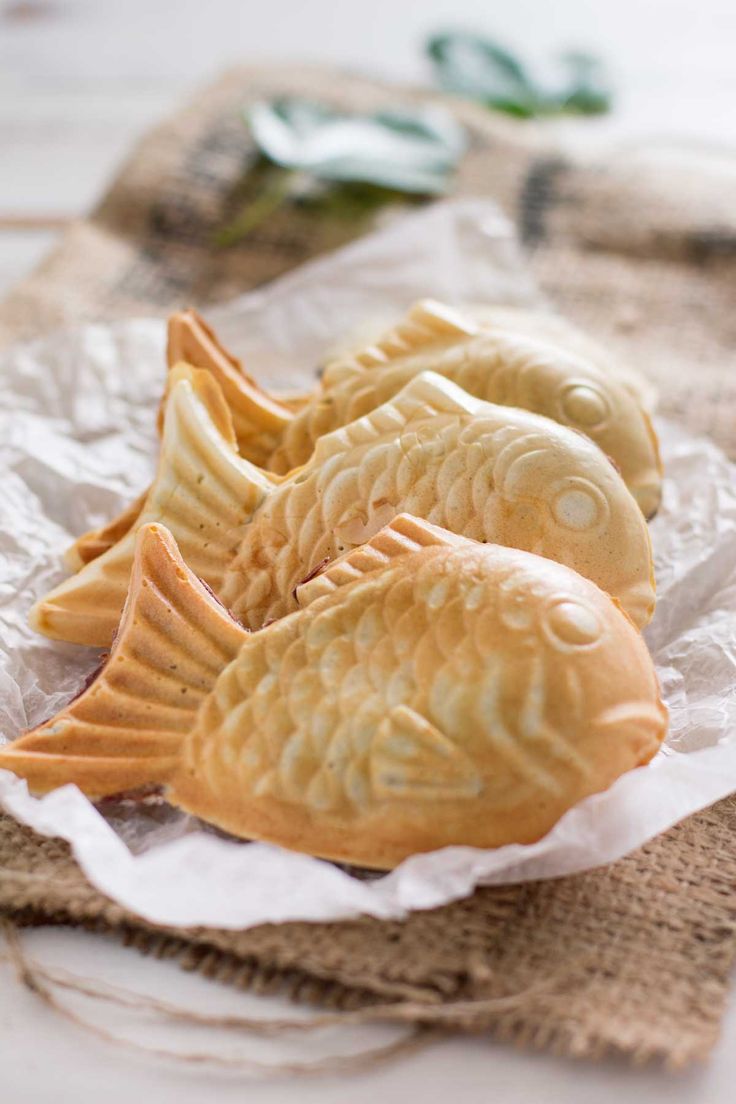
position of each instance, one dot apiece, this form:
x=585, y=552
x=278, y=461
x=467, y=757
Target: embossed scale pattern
x=556, y=330
x=564, y=376
x=433, y=691
x=489, y=473
x=492, y=473
x=500, y=368
x=463, y=676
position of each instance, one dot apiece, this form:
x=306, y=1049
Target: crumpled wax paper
x=77, y=442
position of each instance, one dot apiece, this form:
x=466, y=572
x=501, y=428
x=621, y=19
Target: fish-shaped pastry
x=555, y=329
x=513, y=357
x=429, y=691
x=497, y=365
x=492, y=473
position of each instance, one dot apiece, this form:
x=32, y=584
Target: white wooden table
x=78, y=81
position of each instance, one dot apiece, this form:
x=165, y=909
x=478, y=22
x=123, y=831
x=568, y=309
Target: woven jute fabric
x=640, y=250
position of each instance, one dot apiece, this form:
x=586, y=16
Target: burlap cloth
x=641, y=251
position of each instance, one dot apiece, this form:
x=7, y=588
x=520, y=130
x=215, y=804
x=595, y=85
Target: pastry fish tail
x=128, y=727
x=203, y=492
x=95, y=542
x=259, y=419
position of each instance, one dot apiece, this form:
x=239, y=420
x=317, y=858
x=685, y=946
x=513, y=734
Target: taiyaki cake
x=558, y=330
x=427, y=690
x=512, y=357
x=488, y=472
x=499, y=366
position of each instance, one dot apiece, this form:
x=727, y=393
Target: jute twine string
x=41, y=981
x=427, y=1023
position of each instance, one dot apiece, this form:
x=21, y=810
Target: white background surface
x=78, y=81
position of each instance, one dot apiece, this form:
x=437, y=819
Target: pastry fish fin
x=427, y=323
x=203, y=492
x=96, y=541
x=258, y=418
x=294, y=401
x=127, y=727
x=402, y=536
x=424, y=396
x=410, y=759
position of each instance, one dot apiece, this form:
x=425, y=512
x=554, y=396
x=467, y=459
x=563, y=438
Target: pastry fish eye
x=569, y=623
x=578, y=505
x=584, y=405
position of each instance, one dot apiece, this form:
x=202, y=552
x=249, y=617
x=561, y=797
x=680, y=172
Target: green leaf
x=482, y=70
x=587, y=91
x=413, y=151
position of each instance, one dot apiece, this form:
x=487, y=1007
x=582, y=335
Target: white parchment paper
x=77, y=442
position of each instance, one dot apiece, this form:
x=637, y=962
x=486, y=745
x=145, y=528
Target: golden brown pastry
x=430, y=691
x=488, y=472
x=506, y=355
x=96, y=541
x=556, y=330
x=497, y=365
x=258, y=419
